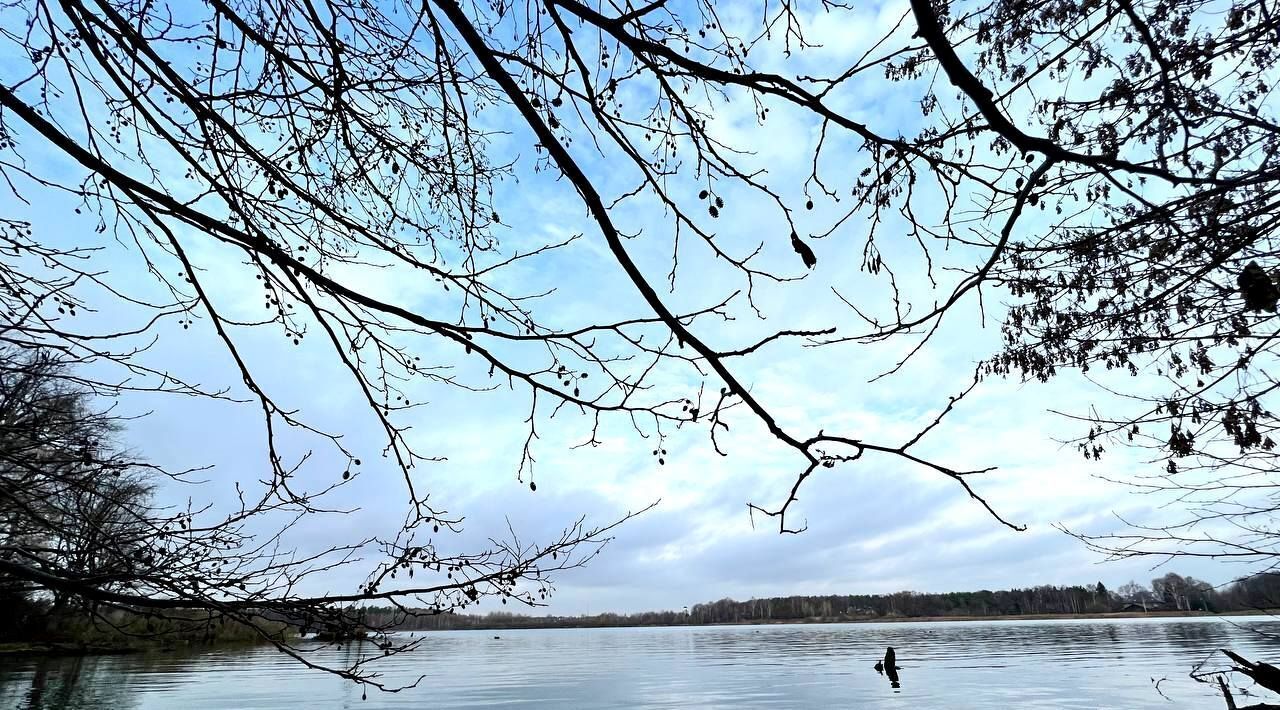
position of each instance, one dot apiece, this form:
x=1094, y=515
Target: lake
x=1010, y=665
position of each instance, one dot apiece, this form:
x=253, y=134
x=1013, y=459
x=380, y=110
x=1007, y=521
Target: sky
x=876, y=525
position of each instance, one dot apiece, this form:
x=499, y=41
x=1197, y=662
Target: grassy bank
x=35, y=648
x=118, y=647
x=122, y=632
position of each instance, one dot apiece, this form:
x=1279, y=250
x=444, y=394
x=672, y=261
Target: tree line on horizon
x=1098, y=181
x=1170, y=592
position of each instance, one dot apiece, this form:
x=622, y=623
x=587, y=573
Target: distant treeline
x=1171, y=592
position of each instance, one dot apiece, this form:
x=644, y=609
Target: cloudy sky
x=876, y=525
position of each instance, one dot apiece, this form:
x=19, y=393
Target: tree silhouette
x=1110, y=165
x=79, y=527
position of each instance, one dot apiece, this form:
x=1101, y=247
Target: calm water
x=1007, y=665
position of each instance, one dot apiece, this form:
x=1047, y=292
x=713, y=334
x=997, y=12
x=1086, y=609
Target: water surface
x=969, y=665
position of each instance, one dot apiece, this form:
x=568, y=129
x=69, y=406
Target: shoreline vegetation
x=1001, y=617
x=138, y=646
x=1169, y=595
x=590, y=623
x=944, y=619
x=121, y=647
x=48, y=631
x=43, y=630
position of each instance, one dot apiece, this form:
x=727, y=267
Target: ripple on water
x=966, y=665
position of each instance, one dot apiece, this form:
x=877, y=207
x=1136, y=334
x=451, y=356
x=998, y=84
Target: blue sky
x=878, y=525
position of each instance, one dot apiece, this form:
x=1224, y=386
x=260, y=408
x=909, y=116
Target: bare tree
x=1112, y=165
x=70, y=501
x=1154, y=268
x=79, y=526
x=320, y=139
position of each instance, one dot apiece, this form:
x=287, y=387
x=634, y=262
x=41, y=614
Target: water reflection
x=965, y=665
x=70, y=683
x=889, y=667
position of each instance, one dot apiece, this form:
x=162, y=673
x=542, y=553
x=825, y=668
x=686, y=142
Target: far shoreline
x=65, y=649
x=1097, y=616
x=1007, y=617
